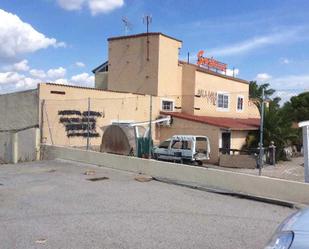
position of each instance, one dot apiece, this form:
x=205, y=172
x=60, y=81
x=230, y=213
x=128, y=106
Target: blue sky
x=63, y=40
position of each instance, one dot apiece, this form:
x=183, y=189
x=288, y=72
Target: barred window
x=167, y=105
x=240, y=103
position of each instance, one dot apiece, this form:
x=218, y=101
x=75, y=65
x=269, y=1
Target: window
x=176, y=144
x=184, y=145
x=223, y=101
x=167, y=105
x=240, y=103
x=165, y=144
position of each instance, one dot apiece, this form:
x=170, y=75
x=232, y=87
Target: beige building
x=199, y=100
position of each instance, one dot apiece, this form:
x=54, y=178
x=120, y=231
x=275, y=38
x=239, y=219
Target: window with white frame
x=223, y=101
x=240, y=103
x=167, y=105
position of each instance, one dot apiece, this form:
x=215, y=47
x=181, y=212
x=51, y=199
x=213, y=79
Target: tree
x=277, y=120
x=255, y=92
x=278, y=128
x=297, y=109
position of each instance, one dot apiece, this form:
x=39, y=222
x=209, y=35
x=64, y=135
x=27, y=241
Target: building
x=199, y=100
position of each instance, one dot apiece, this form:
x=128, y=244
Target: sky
x=63, y=40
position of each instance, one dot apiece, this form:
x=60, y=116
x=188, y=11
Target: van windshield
x=165, y=144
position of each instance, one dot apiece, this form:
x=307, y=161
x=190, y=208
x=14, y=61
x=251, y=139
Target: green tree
x=278, y=128
x=255, y=92
x=297, y=109
x=277, y=120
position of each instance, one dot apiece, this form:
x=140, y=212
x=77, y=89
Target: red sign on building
x=210, y=63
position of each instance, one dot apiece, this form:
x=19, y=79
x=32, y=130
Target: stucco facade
x=62, y=104
x=192, y=89
x=139, y=66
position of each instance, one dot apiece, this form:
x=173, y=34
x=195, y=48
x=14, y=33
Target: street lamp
x=261, y=154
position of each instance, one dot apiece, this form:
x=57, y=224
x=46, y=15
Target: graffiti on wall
x=210, y=96
x=79, y=124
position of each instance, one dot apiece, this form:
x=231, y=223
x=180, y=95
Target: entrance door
x=226, y=142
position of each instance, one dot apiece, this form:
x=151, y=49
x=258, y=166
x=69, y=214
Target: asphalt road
x=51, y=204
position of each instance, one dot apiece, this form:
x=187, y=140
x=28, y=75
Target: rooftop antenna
x=127, y=25
x=147, y=19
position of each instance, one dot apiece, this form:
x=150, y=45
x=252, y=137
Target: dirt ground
x=289, y=170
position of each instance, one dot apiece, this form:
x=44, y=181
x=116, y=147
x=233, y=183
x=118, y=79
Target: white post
x=14, y=139
x=305, y=126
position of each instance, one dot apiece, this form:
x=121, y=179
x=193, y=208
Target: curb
x=234, y=194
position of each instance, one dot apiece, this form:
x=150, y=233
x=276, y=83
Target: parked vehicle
x=184, y=149
x=292, y=233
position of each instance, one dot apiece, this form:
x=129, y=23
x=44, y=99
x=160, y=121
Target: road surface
x=51, y=204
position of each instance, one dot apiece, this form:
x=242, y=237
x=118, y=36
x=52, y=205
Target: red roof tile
x=230, y=123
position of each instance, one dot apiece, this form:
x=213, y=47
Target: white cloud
x=71, y=4
x=17, y=80
x=37, y=73
x=21, y=66
x=95, y=6
x=263, y=77
x=294, y=82
x=285, y=95
x=231, y=72
x=27, y=83
x=10, y=77
x=83, y=78
x=104, y=6
x=18, y=37
x=257, y=42
x=285, y=61
x=56, y=73
x=287, y=86
x=80, y=64
x=61, y=81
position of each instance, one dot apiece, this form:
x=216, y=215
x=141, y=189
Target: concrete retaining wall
x=19, y=110
x=26, y=148
x=212, y=178
x=237, y=161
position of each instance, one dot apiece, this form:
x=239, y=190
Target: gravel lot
x=289, y=170
x=51, y=204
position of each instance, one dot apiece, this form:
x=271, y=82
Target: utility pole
x=261, y=154
x=88, y=124
x=150, y=132
x=147, y=20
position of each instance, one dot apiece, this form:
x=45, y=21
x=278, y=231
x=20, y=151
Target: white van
x=184, y=149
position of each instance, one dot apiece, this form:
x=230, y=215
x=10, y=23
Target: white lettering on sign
x=210, y=96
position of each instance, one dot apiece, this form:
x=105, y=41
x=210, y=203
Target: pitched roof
x=99, y=67
x=229, y=123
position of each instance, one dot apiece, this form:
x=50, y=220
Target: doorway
x=226, y=142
